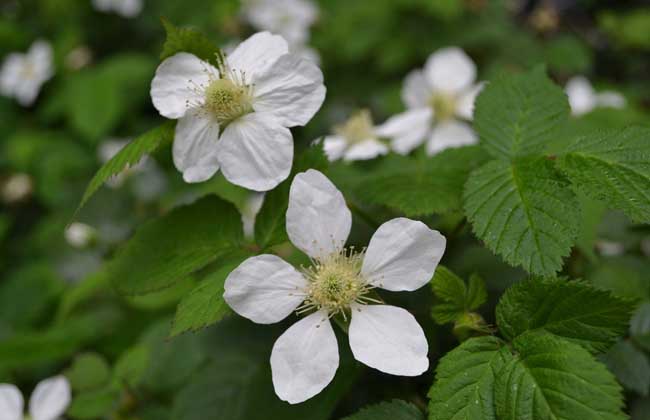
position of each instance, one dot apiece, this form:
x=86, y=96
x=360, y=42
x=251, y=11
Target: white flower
x=48, y=401
x=252, y=206
x=354, y=140
x=125, y=8
x=583, y=98
x=438, y=98
x=402, y=256
x=289, y=18
x=610, y=248
x=237, y=118
x=22, y=75
x=17, y=188
x=79, y=235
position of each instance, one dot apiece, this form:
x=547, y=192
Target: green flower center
x=227, y=100
x=444, y=106
x=357, y=128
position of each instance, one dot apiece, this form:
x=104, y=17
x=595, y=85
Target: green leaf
x=550, y=378
x=129, y=156
x=393, y=410
x=464, y=387
x=89, y=371
x=613, y=167
x=422, y=186
x=524, y=212
x=630, y=366
x=93, y=404
x=518, y=115
x=166, y=250
x=270, y=221
x=187, y=40
x=131, y=366
x=457, y=299
x=572, y=310
x=204, y=305
x=476, y=292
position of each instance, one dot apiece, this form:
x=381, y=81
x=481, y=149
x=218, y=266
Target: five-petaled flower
x=22, y=75
x=49, y=400
x=438, y=99
x=356, y=139
x=584, y=99
x=402, y=256
x=237, y=117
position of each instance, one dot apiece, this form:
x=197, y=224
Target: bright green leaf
x=525, y=212
x=393, y=410
x=166, y=250
x=187, y=40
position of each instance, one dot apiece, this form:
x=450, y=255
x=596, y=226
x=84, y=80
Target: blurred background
x=75, y=82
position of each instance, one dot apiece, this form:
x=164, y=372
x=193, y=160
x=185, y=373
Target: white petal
x=450, y=70
x=367, y=149
x=257, y=53
x=292, y=90
x=11, y=73
x=27, y=92
x=388, y=339
x=195, y=146
x=256, y=152
x=416, y=91
x=264, y=289
x=465, y=102
x=402, y=255
x=180, y=79
x=11, y=403
x=129, y=8
x=334, y=146
x=318, y=220
x=582, y=97
x=450, y=134
x=304, y=359
x=407, y=130
x=50, y=399
x=610, y=98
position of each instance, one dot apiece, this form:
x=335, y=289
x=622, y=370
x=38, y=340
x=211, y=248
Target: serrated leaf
x=571, y=310
x=524, y=211
x=270, y=221
x=613, y=167
x=550, y=378
x=476, y=292
x=630, y=366
x=464, y=387
x=456, y=297
x=129, y=156
x=418, y=187
x=166, y=250
x=393, y=410
x=204, y=305
x=517, y=115
x=187, y=40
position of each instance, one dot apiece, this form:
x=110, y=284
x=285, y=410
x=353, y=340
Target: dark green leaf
x=630, y=366
x=393, y=410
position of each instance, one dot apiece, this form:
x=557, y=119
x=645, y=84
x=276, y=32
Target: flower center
x=357, y=128
x=227, y=100
x=336, y=282
x=444, y=106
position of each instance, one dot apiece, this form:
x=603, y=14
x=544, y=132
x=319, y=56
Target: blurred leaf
x=568, y=54
x=464, y=386
x=625, y=276
x=89, y=371
x=614, y=167
x=168, y=249
x=629, y=29
x=524, y=212
x=93, y=404
x=393, y=410
x=129, y=156
x=187, y=40
x=571, y=310
x=131, y=366
x=630, y=366
x=549, y=378
x=418, y=187
x=517, y=115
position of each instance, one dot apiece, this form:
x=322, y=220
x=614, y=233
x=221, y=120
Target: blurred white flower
x=402, y=256
x=79, y=235
x=252, y=206
x=438, y=99
x=289, y=18
x=78, y=58
x=125, y=8
x=22, y=75
x=610, y=248
x=237, y=118
x=583, y=98
x=49, y=400
x=17, y=188
x=354, y=140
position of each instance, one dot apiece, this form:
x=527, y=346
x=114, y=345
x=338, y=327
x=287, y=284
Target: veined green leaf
x=613, y=167
x=523, y=211
x=456, y=297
